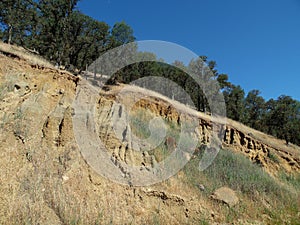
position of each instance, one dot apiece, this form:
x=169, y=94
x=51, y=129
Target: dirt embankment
x=260, y=148
x=45, y=180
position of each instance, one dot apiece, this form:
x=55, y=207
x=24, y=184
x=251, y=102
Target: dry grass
x=16, y=51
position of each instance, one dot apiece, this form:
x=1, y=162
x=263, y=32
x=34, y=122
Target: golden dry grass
x=24, y=54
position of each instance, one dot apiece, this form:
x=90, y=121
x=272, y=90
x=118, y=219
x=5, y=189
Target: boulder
x=226, y=195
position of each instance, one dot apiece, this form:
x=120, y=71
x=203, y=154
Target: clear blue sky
x=257, y=42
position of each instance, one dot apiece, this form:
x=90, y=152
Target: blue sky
x=257, y=42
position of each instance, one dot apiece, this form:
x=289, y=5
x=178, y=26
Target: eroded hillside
x=45, y=178
x=258, y=147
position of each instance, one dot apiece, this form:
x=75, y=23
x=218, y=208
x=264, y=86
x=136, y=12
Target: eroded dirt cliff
x=260, y=148
x=44, y=178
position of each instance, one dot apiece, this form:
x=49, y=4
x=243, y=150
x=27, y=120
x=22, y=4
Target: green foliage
x=280, y=118
x=59, y=32
x=66, y=36
x=15, y=17
x=254, y=108
x=285, y=119
x=87, y=40
x=121, y=34
x=155, y=219
x=234, y=99
x=251, y=182
x=237, y=172
x=180, y=75
x=139, y=123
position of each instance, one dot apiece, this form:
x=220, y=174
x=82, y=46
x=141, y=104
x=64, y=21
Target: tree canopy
x=59, y=32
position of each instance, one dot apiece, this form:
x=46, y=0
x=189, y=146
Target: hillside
x=47, y=178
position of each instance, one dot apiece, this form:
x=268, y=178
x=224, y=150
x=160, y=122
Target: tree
x=254, y=106
x=201, y=75
x=285, y=119
x=234, y=99
x=181, y=77
x=223, y=82
x=87, y=39
x=54, y=19
x=121, y=33
x=15, y=17
x=59, y=32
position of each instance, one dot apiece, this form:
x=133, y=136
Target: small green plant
x=1, y=91
x=231, y=215
x=139, y=122
x=75, y=221
x=203, y=222
x=273, y=157
x=19, y=128
x=3, y=120
x=155, y=219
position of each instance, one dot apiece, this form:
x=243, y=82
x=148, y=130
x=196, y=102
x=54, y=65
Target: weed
x=7, y=86
x=155, y=219
x=20, y=128
x=273, y=157
x=231, y=215
x=3, y=120
x=290, y=179
x=99, y=218
x=203, y=222
x=139, y=123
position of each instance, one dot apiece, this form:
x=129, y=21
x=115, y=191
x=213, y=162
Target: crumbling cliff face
x=265, y=150
x=270, y=156
x=44, y=178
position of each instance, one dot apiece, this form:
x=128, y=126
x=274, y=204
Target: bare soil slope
x=44, y=179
